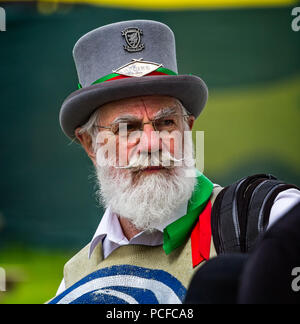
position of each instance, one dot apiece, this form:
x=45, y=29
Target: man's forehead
x=139, y=106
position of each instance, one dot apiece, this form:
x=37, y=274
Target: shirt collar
x=110, y=227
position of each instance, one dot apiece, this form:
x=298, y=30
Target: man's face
x=142, y=127
x=133, y=187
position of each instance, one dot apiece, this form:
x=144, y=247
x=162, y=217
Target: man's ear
x=191, y=121
x=87, y=143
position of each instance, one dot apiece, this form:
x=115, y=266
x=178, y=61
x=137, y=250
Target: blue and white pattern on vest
x=124, y=284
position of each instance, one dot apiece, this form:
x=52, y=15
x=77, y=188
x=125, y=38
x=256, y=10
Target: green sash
x=176, y=233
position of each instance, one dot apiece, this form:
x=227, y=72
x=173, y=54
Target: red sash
x=201, y=237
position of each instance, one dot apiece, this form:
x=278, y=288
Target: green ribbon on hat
x=176, y=233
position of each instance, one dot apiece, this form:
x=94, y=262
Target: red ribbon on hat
x=116, y=76
x=126, y=76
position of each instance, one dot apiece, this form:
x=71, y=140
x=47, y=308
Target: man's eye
x=131, y=127
x=168, y=122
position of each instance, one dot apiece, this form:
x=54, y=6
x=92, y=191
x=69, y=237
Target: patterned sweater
x=131, y=274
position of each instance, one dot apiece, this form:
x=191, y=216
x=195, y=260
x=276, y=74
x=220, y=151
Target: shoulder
x=75, y=265
x=80, y=265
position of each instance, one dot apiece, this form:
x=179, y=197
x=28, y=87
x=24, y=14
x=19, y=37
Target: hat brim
x=78, y=107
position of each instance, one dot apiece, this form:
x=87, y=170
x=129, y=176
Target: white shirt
x=110, y=232
x=284, y=202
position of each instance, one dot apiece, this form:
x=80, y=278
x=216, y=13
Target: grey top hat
x=123, y=60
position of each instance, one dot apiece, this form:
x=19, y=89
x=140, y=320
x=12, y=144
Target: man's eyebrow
x=165, y=112
x=125, y=119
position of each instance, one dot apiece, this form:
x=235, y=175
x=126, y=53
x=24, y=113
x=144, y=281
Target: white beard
x=147, y=200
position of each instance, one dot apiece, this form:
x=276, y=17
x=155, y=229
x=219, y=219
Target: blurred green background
x=249, y=58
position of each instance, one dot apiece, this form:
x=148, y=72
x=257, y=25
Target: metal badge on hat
x=137, y=68
x=133, y=37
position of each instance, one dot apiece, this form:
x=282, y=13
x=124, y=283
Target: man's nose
x=150, y=140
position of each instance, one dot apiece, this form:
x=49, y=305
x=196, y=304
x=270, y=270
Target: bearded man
x=133, y=115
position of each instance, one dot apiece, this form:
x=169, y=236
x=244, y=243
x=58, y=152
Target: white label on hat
x=137, y=68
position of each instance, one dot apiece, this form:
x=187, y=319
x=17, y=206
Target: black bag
x=240, y=214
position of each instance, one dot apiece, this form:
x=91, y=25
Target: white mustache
x=144, y=160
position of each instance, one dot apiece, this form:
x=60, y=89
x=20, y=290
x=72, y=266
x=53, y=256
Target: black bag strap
x=244, y=197
x=241, y=212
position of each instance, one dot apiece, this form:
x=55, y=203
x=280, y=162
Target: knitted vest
x=135, y=265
